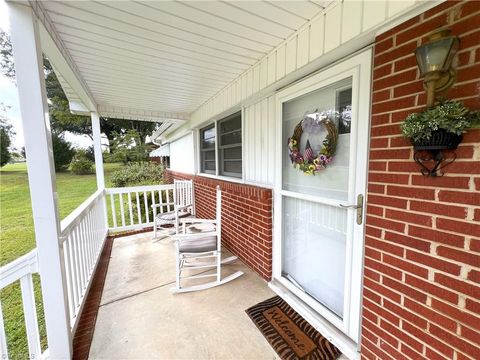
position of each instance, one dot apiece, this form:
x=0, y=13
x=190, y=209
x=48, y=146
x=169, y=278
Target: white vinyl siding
x=182, y=155
x=259, y=133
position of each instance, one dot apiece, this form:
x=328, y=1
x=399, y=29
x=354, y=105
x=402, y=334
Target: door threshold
x=347, y=346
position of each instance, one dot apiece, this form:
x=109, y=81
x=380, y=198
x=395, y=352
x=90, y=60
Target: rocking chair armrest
x=195, y=220
x=153, y=206
x=177, y=208
x=200, y=235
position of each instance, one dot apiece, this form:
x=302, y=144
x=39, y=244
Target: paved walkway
x=139, y=318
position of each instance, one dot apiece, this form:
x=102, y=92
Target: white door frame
x=359, y=68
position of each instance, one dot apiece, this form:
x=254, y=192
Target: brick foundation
x=246, y=218
x=422, y=255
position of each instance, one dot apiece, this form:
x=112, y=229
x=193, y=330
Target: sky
x=9, y=96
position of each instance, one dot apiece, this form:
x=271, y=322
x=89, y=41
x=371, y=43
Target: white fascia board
x=158, y=135
x=78, y=108
x=142, y=115
x=58, y=55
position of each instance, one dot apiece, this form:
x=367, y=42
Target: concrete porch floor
x=139, y=318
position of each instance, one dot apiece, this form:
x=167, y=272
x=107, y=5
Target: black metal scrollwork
x=433, y=160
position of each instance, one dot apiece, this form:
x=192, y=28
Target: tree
x=6, y=132
x=4, y=145
x=63, y=152
x=127, y=147
x=6, y=56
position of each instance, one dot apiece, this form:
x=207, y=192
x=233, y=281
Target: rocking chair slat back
x=183, y=194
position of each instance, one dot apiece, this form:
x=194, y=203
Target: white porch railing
x=83, y=234
x=22, y=269
x=82, y=237
x=130, y=208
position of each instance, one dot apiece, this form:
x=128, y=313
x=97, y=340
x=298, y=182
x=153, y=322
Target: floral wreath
x=308, y=162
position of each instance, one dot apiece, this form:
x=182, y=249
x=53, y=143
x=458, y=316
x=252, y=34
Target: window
x=207, y=150
x=344, y=107
x=228, y=131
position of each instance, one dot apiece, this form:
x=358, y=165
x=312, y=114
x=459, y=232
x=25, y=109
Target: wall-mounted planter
x=436, y=132
x=430, y=154
x=440, y=140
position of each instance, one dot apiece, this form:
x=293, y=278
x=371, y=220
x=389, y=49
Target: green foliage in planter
x=451, y=116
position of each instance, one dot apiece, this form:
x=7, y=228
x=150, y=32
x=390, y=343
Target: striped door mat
x=288, y=333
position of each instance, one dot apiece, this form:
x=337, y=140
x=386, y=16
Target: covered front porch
x=138, y=316
x=190, y=67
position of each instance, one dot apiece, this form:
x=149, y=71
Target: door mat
x=290, y=335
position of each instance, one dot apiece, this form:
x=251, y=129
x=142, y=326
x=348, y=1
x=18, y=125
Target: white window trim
x=236, y=179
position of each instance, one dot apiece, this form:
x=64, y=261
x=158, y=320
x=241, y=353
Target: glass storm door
x=319, y=228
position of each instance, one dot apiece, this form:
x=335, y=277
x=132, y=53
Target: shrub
x=139, y=173
x=63, y=152
x=81, y=164
x=90, y=153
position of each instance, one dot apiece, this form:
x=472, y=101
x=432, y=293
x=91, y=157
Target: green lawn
x=17, y=237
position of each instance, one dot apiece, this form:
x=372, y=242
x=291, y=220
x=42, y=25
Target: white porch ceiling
x=168, y=56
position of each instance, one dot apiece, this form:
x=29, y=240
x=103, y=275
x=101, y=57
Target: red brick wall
x=246, y=218
x=155, y=159
x=422, y=256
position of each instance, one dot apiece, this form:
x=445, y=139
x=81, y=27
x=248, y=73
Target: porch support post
x=41, y=175
x=97, y=148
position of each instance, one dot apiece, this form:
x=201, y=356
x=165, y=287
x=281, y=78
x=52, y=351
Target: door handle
x=353, y=206
x=358, y=206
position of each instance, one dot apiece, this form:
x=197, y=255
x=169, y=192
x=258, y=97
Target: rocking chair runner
x=183, y=206
x=199, y=247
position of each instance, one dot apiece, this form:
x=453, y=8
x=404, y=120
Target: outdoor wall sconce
x=434, y=60
x=434, y=145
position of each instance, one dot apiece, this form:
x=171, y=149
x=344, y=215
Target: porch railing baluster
x=130, y=210
x=160, y=194
x=68, y=270
x=146, y=206
x=139, y=210
x=114, y=213
x=3, y=337
x=168, y=200
x=73, y=254
x=30, y=313
x=122, y=212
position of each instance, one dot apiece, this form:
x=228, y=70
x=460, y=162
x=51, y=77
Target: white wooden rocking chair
x=183, y=206
x=199, y=248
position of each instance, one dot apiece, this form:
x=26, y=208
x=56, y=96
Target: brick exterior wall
x=246, y=218
x=421, y=296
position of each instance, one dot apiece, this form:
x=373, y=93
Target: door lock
x=358, y=206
